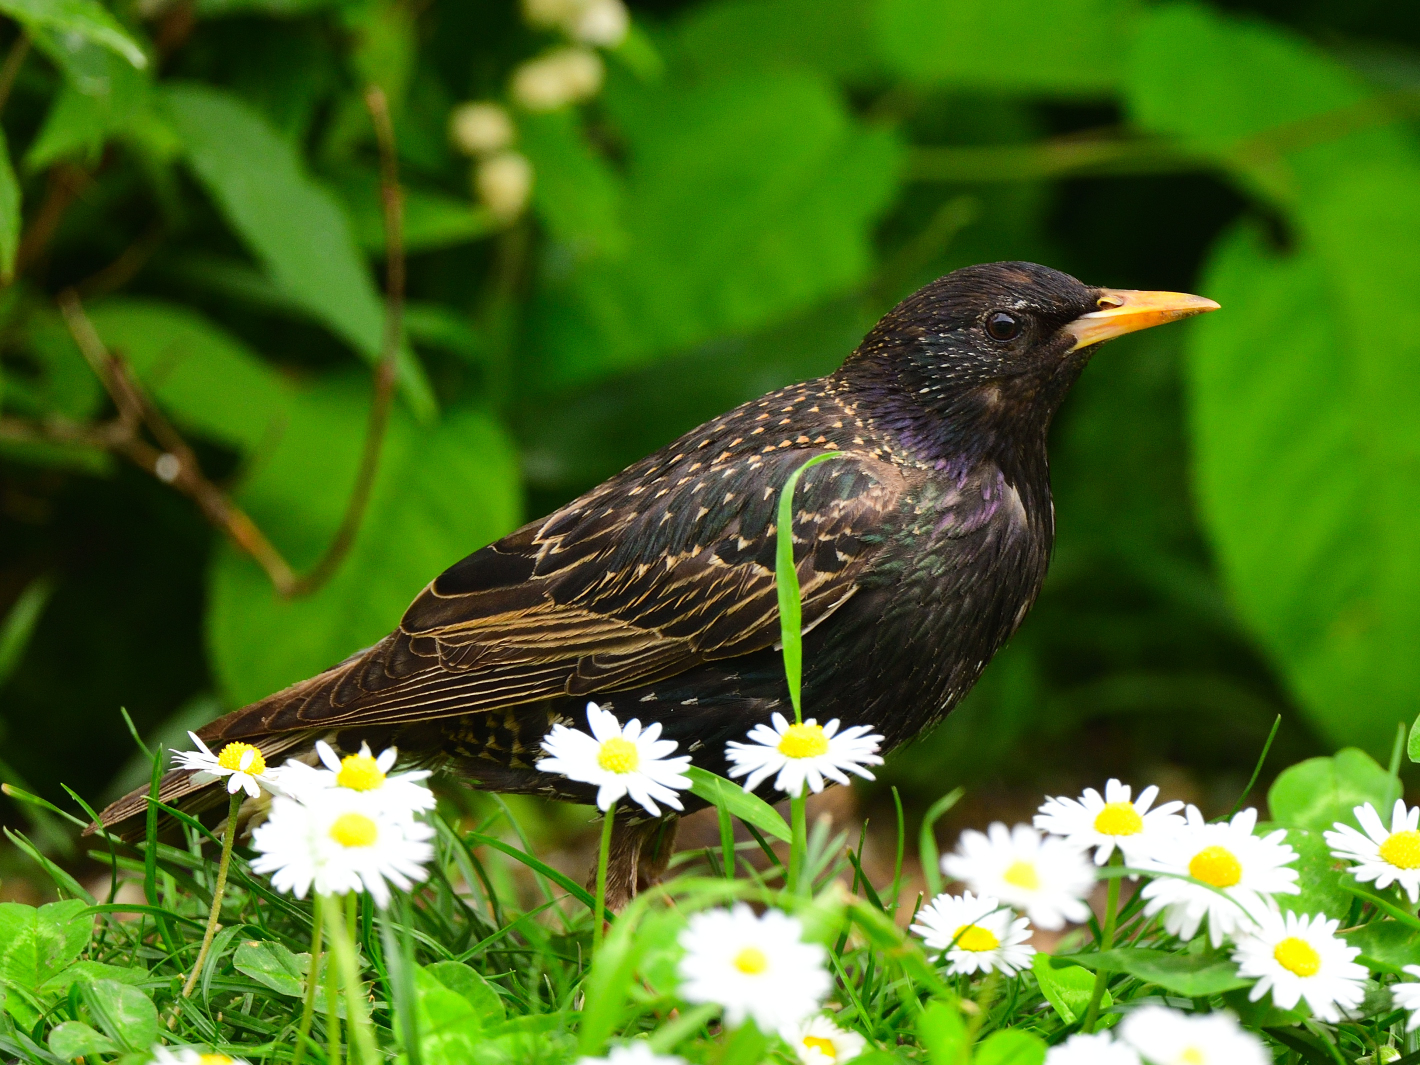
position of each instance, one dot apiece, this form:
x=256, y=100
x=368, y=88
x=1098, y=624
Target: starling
x=918, y=554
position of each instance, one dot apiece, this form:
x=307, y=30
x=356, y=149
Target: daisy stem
x=1111, y=914
x=332, y=994
x=357, y=1022
x=219, y=888
x=308, y=1005
x=799, y=843
x=599, y=916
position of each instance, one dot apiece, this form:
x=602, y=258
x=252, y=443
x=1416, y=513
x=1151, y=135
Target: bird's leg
x=637, y=858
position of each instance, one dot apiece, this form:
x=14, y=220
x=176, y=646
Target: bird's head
x=997, y=346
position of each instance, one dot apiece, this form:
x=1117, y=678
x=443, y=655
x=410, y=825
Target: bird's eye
x=1003, y=326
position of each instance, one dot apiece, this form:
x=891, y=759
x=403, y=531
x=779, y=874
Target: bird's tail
x=125, y=817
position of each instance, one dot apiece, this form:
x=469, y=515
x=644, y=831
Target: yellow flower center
x=1119, y=819
x=1297, y=956
x=822, y=1045
x=213, y=1059
x=975, y=938
x=1023, y=875
x=618, y=756
x=1193, y=1056
x=359, y=772
x=1402, y=850
x=751, y=961
x=803, y=741
x=1217, y=866
x=354, y=830
x=232, y=755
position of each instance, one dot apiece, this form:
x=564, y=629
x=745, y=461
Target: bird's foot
x=637, y=859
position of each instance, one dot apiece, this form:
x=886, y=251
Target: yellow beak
x=1125, y=310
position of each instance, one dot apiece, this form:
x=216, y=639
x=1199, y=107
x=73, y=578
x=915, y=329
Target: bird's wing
x=647, y=575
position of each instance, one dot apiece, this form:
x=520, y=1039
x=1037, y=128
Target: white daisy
x=818, y=1041
x=241, y=763
x=636, y=1053
x=1300, y=956
x=1045, y=877
x=977, y=934
x=1166, y=1037
x=340, y=841
x=1104, y=821
x=1248, y=870
x=190, y=1056
x=1407, y=997
x=758, y=967
x=1097, y=1049
x=359, y=772
x=803, y=753
x=619, y=761
x=1385, y=856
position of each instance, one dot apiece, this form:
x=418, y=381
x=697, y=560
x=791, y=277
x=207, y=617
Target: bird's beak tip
x=1123, y=310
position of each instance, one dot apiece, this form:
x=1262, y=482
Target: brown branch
x=66, y=181
x=14, y=59
x=124, y=268
x=173, y=461
x=387, y=368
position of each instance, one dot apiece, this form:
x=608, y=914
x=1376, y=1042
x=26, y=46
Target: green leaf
x=1222, y=84
x=1064, y=48
x=1066, y=987
x=294, y=227
x=19, y=624
x=1412, y=745
x=207, y=379
x=1302, y=454
x=84, y=969
x=746, y=1046
x=9, y=213
x=83, y=19
x=942, y=1033
x=441, y=492
x=1010, y=1047
x=747, y=199
x=748, y=808
x=274, y=965
x=470, y=983
x=1320, y=876
x=126, y=1014
x=432, y=220
x=1192, y=975
x=576, y=193
x=75, y=1039
x=1262, y=1013
x=449, y=1029
x=1386, y=946
x=834, y=37
x=37, y=944
x=1319, y=792
x=103, y=97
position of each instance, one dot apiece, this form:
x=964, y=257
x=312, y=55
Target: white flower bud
x=564, y=76
x=480, y=128
x=504, y=184
x=552, y=13
x=601, y=22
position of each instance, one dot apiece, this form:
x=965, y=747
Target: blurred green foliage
x=751, y=184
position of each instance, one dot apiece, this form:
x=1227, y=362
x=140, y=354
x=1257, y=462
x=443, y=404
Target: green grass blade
x=786, y=584
x=728, y=795
x=927, y=842
x=564, y=882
